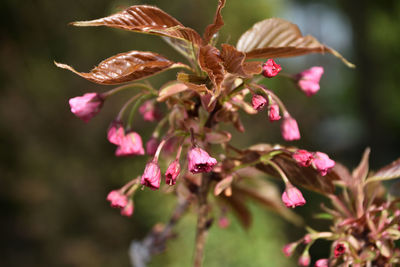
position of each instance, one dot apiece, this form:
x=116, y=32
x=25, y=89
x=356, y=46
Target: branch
x=140, y=252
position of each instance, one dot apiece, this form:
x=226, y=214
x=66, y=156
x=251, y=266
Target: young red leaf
x=170, y=89
x=233, y=61
x=210, y=62
x=146, y=19
x=388, y=172
x=272, y=38
x=125, y=67
x=216, y=25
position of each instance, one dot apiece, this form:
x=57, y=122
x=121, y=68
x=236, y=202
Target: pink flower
x=149, y=111
x=273, y=112
x=305, y=259
x=116, y=133
x=288, y=249
x=308, y=80
x=151, y=146
x=322, y=163
x=303, y=157
x=87, y=106
x=128, y=209
x=151, y=176
x=223, y=222
x=292, y=197
x=290, y=129
x=117, y=199
x=200, y=161
x=258, y=102
x=322, y=263
x=271, y=69
x=131, y=145
x=172, y=172
x=340, y=249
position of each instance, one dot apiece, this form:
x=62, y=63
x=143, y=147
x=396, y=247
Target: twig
x=140, y=252
x=202, y=222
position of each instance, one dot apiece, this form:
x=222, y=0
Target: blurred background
x=55, y=170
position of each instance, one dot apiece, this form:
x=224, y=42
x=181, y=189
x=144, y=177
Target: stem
x=123, y=87
x=280, y=171
x=126, y=105
x=202, y=225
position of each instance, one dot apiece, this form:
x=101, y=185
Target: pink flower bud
x=223, y=222
x=172, y=172
x=87, y=106
x=151, y=146
x=307, y=239
x=303, y=157
x=271, y=69
x=258, y=102
x=340, y=249
x=305, y=259
x=322, y=163
x=200, y=161
x=117, y=199
x=288, y=249
x=128, y=209
x=115, y=133
x=151, y=176
x=131, y=145
x=292, y=197
x=322, y=263
x=290, y=129
x=273, y=112
x=149, y=111
x=308, y=80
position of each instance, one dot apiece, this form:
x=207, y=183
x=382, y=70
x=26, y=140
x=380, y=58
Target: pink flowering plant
x=209, y=90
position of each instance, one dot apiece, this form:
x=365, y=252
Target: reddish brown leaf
x=388, y=172
x=216, y=25
x=125, y=67
x=360, y=173
x=170, y=89
x=222, y=185
x=233, y=61
x=276, y=37
x=210, y=62
x=217, y=137
x=146, y=19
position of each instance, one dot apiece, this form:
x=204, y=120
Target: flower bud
x=149, y=111
x=290, y=129
x=223, y=222
x=305, y=259
x=128, y=209
x=151, y=146
x=200, y=161
x=303, y=157
x=151, y=176
x=273, y=112
x=270, y=68
x=131, y=145
x=117, y=199
x=115, y=133
x=258, y=102
x=87, y=106
x=308, y=80
x=292, y=197
x=322, y=263
x=288, y=249
x=172, y=172
x=322, y=163
x=307, y=239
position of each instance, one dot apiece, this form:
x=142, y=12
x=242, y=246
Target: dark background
x=56, y=171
